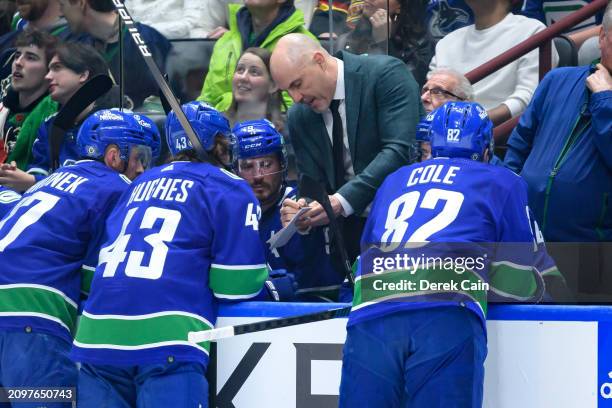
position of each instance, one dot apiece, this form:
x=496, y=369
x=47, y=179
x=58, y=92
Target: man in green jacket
x=260, y=23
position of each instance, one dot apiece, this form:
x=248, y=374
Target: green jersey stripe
x=38, y=300
x=87, y=274
x=514, y=281
x=139, y=332
x=243, y=281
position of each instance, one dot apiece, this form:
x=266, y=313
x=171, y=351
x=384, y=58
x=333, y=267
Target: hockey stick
x=231, y=331
x=84, y=96
x=165, y=104
x=310, y=188
x=159, y=78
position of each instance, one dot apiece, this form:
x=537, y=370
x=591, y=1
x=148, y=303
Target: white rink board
x=530, y=364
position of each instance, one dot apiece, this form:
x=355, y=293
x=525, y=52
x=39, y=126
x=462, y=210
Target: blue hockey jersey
x=46, y=240
x=183, y=236
x=8, y=199
x=41, y=162
x=307, y=257
x=446, y=232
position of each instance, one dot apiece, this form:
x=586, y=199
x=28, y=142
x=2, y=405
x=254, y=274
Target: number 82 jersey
x=444, y=232
x=184, y=235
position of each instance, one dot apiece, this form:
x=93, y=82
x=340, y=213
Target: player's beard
x=269, y=194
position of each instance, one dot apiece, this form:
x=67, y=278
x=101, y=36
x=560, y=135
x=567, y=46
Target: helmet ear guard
x=461, y=129
x=115, y=127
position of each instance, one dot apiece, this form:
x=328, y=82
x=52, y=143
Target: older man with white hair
x=444, y=85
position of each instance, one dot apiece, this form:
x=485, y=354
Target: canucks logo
x=91, y=150
x=444, y=18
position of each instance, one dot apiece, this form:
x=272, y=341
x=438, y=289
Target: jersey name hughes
x=164, y=188
x=63, y=181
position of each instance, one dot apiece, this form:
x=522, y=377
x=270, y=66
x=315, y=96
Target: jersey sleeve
x=8, y=199
x=105, y=203
x=40, y=152
x=513, y=275
x=238, y=268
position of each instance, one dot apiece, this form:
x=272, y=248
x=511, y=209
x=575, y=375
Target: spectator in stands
x=407, y=38
x=172, y=18
x=444, y=85
x=344, y=126
x=26, y=104
x=562, y=147
x=260, y=23
x=7, y=11
x=71, y=66
x=562, y=8
x=99, y=19
x=506, y=92
x=44, y=15
x=255, y=95
x=40, y=14
x=320, y=25
x=216, y=19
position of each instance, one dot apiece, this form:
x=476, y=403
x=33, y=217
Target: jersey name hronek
x=164, y=188
x=63, y=181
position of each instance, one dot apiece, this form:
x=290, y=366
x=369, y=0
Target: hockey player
x=49, y=241
x=416, y=333
x=260, y=159
x=182, y=238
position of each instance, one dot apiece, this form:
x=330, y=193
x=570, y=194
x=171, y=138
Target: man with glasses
x=444, y=85
x=260, y=159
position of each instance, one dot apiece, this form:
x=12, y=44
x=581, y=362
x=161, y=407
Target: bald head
x=305, y=70
x=293, y=50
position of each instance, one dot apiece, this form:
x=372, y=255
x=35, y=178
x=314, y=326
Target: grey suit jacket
x=383, y=107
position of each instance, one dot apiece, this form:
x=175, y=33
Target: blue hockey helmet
x=256, y=138
x=122, y=128
x=423, y=127
x=461, y=129
x=207, y=122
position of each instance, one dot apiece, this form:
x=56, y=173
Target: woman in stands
x=255, y=95
x=407, y=37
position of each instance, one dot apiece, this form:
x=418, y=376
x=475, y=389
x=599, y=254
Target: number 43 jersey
x=46, y=239
x=447, y=232
x=183, y=236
